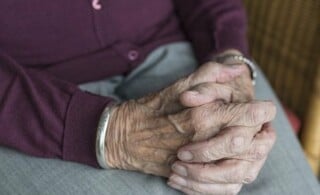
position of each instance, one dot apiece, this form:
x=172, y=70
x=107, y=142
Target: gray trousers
x=285, y=172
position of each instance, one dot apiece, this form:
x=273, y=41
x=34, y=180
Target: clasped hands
x=203, y=132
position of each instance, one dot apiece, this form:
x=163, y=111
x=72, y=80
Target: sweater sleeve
x=213, y=26
x=44, y=116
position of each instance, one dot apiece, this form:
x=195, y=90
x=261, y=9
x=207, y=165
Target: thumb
x=218, y=73
x=205, y=93
x=209, y=72
x=205, y=87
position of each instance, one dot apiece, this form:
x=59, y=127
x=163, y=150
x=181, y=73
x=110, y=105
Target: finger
x=204, y=188
x=211, y=118
x=244, y=114
x=207, y=120
x=182, y=189
x=236, y=142
x=228, y=143
x=234, y=170
x=215, y=72
x=261, y=145
x=205, y=93
x=223, y=172
x=155, y=169
x=210, y=72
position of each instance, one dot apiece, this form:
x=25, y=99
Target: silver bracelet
x=101, y=136
x=249, y=63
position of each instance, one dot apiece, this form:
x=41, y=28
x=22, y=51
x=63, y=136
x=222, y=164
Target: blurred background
x=284, y=41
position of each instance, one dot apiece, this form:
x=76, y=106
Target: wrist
x=113, y=138
x=102, y=130
x=120, y=130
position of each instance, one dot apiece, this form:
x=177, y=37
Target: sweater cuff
x=81, y=123
x=229, y=39
x=232, y=39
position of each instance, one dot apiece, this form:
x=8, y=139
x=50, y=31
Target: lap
x=285, y=172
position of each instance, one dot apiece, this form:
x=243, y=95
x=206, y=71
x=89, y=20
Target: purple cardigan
x=48, y=47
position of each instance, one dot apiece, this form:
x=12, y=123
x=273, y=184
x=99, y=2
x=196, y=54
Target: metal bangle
x=249, y=63
x=101, y=135
x=251, y=66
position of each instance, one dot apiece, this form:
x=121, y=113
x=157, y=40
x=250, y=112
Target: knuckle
x=256, y=114
x=203, y=174
x=199, y=116
x=233, y=113
x=194, y=186
x=262, y=112
x=237, y=172
x=251, y=177
x=260, y=152
x=235, y=144
x=207, y=155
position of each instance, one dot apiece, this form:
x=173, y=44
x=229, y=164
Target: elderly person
x=180, y=73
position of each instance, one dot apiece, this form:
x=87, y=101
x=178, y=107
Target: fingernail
x=185, y=155
x=178, y=180
x=179, y=169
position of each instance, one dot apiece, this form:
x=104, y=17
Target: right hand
x=145, y=134
x=223, y=176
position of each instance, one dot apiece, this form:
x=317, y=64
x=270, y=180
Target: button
x=96, y=4
x=133, y=55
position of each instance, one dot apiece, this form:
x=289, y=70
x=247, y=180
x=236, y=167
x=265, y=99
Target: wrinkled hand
x=203, y=171
x=145, y=134
x=242, y=84
x=141, y=138
x=244, y=151
x=241, y=87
